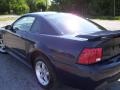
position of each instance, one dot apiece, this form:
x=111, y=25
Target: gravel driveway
x=16, y=76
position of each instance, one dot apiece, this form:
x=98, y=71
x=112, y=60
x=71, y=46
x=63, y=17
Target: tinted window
x=24, y=23
x=71, y=24
x=42, y=27
x=36, y=27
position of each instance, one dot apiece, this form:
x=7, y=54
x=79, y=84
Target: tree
x=4, y=7
x=75, y=6
x=36, y=5
x=31, y=4
x=41, y=5
x=22, y=6
x=101, y=7
x=18, y=6
x=86, y=7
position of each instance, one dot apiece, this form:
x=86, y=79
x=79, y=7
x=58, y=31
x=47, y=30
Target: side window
x=36, y=27
x=24, y=23
x=42, y=27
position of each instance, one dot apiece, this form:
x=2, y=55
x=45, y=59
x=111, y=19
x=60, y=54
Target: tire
x=45, y=74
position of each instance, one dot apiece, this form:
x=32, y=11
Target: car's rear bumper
x=92, y=75
x=106, y=69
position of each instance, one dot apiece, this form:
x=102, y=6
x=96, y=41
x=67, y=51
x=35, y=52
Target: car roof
x=42, y=13
x=45, y=14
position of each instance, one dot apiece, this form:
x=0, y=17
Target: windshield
x=72, y=24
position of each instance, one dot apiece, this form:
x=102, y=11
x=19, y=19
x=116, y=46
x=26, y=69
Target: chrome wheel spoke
x=46, y=78
x=43, y=66
x=42, y=73
x=47, y=73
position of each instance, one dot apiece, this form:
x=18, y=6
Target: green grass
x=7, y=18
x=107, y=18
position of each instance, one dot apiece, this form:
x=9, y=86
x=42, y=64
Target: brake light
x=90, y=56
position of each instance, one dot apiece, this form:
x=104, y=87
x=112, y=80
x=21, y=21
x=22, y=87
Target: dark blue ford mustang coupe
x=64, y=47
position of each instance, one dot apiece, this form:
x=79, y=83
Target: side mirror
x=9, y=27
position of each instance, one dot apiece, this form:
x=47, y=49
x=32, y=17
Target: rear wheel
x=45, y=74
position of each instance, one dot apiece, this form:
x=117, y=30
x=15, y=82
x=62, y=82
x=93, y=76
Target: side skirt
x=19, y=58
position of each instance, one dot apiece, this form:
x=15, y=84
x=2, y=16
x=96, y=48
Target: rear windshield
x=72, y=24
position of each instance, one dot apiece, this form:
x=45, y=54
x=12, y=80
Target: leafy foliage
x=102, y=7
x=18, y=7
x=41, y=4
x=87, y=7
x=22, y=6
x=82, y=7
x=4, y=7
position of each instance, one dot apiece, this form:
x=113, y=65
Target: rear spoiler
x=100, y=36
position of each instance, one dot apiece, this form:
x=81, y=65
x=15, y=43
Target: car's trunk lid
x=110, y=42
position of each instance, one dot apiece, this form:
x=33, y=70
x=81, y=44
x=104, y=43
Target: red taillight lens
x=90, y=56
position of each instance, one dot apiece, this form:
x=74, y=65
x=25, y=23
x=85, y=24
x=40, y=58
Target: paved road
x=4, y=23
x=109, y=24
x=16, y=76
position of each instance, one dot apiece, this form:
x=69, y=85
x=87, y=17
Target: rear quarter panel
x=61, y=49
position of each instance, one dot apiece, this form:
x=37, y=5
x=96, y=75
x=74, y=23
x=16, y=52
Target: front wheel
x=2, y=46
x=45, y=74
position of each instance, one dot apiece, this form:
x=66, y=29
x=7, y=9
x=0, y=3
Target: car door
x=14, y=38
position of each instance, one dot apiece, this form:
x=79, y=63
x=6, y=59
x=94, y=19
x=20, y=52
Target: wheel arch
x=39, y=53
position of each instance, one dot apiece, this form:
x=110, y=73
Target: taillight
x=90, y=56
